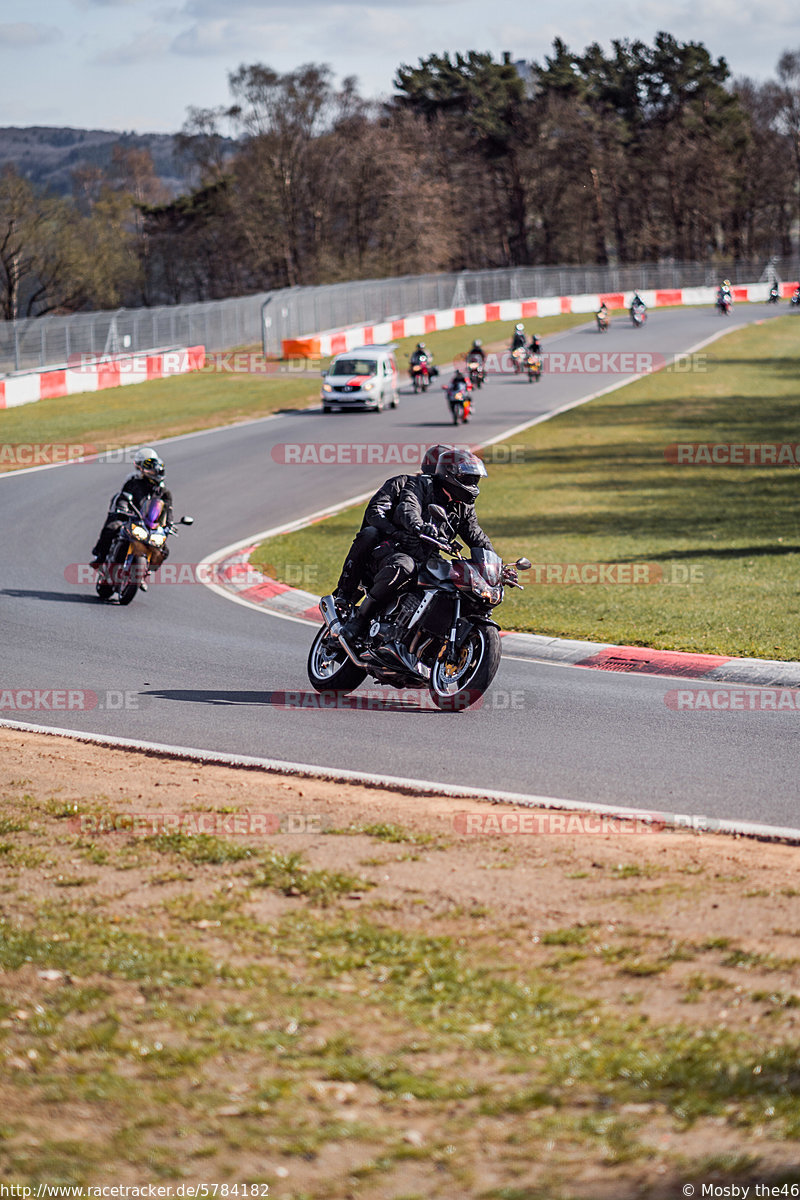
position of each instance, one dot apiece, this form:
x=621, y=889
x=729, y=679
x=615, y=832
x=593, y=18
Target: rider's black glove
x=430, y=530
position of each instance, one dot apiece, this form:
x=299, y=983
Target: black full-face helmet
x=431, y=457
x=458, y=473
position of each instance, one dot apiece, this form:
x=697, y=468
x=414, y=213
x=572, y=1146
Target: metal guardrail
x=269, y=317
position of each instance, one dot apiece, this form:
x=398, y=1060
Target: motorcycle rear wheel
x=329, y=668
x=456, y=686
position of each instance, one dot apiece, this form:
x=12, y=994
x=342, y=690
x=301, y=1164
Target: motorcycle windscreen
x=489, y=564
x=153, y=512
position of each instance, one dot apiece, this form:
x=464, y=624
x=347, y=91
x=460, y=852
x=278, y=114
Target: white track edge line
x=422, y=787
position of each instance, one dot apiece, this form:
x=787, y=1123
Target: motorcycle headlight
x=158, y=538
x=140, y=532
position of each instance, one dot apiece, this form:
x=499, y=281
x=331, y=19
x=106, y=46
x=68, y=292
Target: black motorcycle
x=439, y=635
x=774, y=294
x=477, y=370
x=139, y=546
x=795, y=300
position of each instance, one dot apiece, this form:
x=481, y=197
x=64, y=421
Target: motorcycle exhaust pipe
x=334, y=622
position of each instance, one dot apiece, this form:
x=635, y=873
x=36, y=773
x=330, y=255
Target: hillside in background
x=47, y=156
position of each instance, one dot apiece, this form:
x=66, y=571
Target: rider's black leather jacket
x=411, y=514
x=140, y=490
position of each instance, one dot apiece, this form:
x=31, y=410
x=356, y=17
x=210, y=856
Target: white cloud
x=142, y=47
x=25, y=33
x=219, y=38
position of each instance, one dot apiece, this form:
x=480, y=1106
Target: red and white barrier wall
x=90, y=373
x=335, y=341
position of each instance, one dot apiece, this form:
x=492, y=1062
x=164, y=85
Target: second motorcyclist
x=138, y=489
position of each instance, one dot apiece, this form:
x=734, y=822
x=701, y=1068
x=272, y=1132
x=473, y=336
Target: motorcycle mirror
x=437, y=511
x=523, y=564
x=187, y=521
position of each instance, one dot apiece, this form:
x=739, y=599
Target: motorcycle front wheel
x=457, y=685
x=329, y=668
x=135, y=576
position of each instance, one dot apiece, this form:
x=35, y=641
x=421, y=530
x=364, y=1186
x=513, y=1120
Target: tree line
x=640, y=153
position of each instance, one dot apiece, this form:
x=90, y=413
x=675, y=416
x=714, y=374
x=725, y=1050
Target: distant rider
x=138, y=489
x=534, y=346
x=517, y=337
x=476, y=351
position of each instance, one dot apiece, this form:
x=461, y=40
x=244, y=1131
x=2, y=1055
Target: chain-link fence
x=269, y=317
x=52, y=341
x=295, y=312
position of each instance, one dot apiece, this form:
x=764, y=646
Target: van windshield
x=354, y=366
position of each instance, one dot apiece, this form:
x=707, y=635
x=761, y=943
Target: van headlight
x=367, y=387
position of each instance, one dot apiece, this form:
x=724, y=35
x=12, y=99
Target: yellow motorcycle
x=139, y=547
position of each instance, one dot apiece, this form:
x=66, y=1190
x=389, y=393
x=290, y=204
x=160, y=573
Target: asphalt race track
x=192, y=669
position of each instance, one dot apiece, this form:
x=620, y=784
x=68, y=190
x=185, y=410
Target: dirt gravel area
x=216, y=974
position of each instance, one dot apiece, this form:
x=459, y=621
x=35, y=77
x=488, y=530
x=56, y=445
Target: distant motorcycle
x=459, y=401
x=420, y=375
x=774, y=294
x=724, y=303
x=477, y=370
x=603, y=322
x=533, y=366
x=795, y=300
x=638, y=316
x=518, y=359
x=140, y=546
x=439, y=635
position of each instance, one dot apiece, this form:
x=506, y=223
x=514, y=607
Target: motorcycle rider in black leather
x=476, y=350
x=421, y=354
x=459, y=380
x=146, y=483
x=534, y=345
x=637, y=304
x=377, y=526
x=454, y=486
x=517, y=338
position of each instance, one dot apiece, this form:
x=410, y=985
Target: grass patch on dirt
x=142, y=412
x=271, y=1017
x=595, y=487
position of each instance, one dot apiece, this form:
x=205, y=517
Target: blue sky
x=138, y=65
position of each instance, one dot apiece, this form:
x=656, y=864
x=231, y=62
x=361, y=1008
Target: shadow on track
x=324, y=701
x=63, y=597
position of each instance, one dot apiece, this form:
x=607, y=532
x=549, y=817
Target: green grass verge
x=165, y=407
x=594, y=486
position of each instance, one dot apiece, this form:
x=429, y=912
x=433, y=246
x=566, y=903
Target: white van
x=362, y=378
